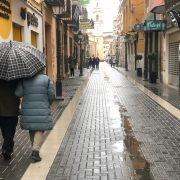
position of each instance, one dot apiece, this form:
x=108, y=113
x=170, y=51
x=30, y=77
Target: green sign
x=155, y=25
x=84, y=1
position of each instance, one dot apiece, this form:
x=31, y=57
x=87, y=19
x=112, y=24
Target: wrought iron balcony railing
x=52, y=3
x=169, y=4
x=67, y=10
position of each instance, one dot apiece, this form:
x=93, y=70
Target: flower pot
x=152, y=77
x=139, y=72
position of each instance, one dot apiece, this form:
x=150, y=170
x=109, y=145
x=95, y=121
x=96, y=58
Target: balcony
x=52, y=3
x=66, y=11
x=171, y=4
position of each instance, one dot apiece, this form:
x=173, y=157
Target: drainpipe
x=145, y=57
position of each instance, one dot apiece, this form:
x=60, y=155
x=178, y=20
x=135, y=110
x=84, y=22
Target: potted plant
x=153, y=67
x=138, y=58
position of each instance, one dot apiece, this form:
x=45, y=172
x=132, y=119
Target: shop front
x=172, y=41
x=153, y=30
x=5, y=20
x=27, y=24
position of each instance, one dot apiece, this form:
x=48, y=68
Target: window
x=17, y=32
x=34, y=38
x=97, y=17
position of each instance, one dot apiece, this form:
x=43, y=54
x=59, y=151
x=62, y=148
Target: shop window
x=17, y=32
x=34, y=38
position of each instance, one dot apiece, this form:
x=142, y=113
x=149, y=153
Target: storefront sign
x=86, y=24
x=139, y=27
x=5, y=9
x=131, y=37
x=32, y=19
x=154, y=25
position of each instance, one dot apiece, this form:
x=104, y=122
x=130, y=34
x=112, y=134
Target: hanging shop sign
x=86, y=24
x=5, y=9
x=32, y=19
x=175, y=17
x=154, y=25
x=139, y=27
x=75, y=13
x=131, y=37
x=84, y=1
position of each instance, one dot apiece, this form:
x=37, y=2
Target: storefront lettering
x=5, y=9
x=155, y=26
x=32, y=20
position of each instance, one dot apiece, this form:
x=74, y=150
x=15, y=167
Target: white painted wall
x=26, y=31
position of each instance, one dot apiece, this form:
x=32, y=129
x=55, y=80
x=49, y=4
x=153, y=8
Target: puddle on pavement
x=129, y=148
x=139, y=163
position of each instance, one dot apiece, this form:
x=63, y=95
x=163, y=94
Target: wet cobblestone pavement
x=118, y=132
x=15, y=168
x=167, y=93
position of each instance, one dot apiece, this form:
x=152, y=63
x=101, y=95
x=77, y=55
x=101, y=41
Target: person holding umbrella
x=22, y=63
x=9, y=111
x=35, y=116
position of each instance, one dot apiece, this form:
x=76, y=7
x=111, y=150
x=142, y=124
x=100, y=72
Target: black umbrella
x=19, y=60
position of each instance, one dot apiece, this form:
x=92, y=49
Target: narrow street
x=118, y=132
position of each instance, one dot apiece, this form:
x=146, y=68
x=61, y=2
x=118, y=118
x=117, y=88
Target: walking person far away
x=9, y=111
x=72, y=65
x=37, y=95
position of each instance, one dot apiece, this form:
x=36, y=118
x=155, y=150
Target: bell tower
x=98, y=18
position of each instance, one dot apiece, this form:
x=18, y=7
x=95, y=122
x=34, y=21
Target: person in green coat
x=37, y=95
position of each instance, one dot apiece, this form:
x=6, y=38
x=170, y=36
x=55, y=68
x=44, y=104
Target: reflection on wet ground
x=139, y=163
x=129, y=148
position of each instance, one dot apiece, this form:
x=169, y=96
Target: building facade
x=171, y=42
x=23, y=23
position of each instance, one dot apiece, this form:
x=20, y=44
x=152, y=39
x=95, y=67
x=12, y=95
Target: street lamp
x=57, y=6
x=80, y=37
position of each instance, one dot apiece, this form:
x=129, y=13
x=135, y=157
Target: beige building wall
x=50, y=43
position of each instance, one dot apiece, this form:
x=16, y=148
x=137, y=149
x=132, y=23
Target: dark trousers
x=72, y=71
x=8, y=129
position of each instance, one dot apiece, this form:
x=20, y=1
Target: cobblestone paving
x=16, y=167
x=167, y=93
x=95, y=144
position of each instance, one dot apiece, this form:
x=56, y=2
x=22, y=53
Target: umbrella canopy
x=19, y=60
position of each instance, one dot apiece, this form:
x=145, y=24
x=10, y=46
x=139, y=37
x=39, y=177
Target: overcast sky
x=109, y=7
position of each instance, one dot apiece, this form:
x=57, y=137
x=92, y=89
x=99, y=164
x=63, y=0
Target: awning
x=157, y=6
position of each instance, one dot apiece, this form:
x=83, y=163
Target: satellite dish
x=175, y=17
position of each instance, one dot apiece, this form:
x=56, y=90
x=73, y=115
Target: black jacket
x=9, y=103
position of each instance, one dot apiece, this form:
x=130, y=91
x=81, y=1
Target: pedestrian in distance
x=35, y=115
x=111, y=62
x=72, y=65
x=97, y=62
x=93, y=62
x=9, y=111
x=90, y=63
x=114, y=61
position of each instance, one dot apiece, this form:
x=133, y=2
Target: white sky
x=110, y=8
